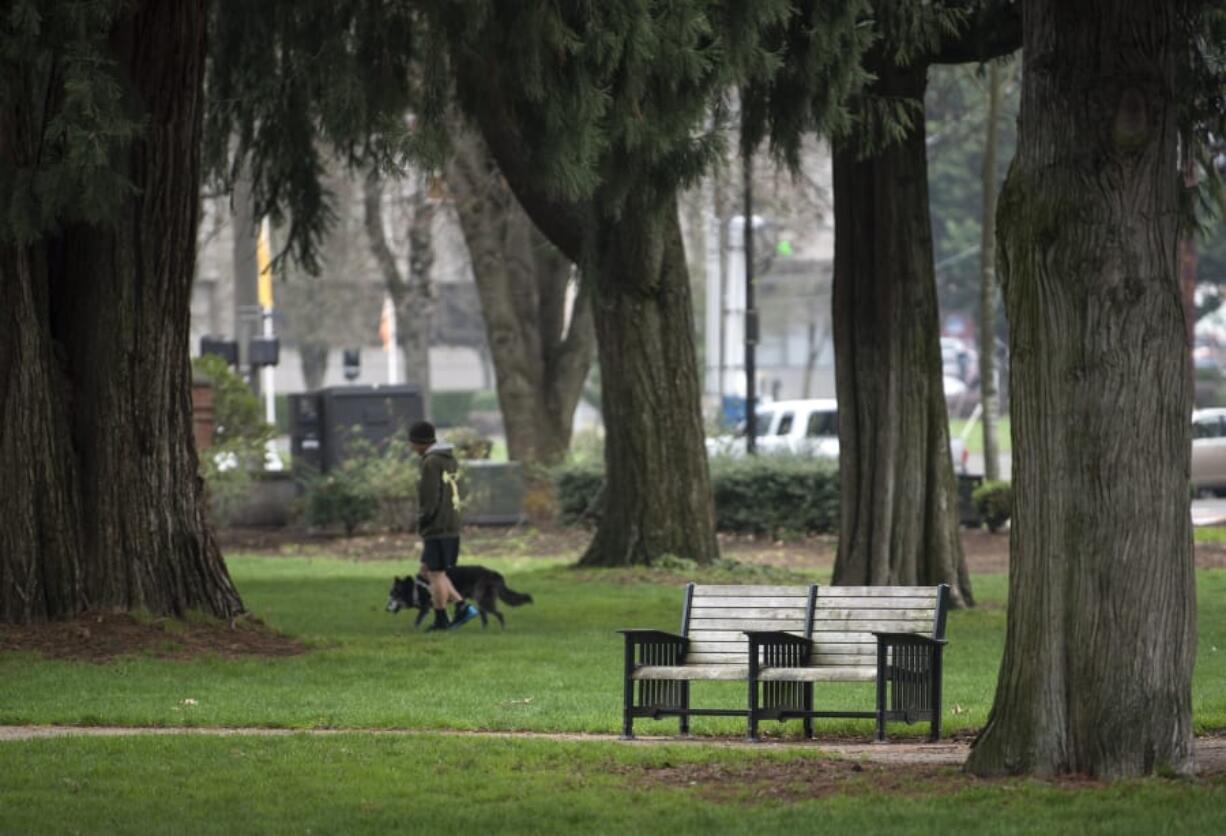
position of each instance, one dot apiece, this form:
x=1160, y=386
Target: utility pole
x=751, y=313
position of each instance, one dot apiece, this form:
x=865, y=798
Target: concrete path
x=1210, y=751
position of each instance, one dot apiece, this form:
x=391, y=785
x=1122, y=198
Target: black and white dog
x=479, y=586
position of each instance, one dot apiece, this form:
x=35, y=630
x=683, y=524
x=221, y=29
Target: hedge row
x=760, y=495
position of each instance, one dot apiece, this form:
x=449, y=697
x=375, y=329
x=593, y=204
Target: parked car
x=802, y=427
x=1209, y=450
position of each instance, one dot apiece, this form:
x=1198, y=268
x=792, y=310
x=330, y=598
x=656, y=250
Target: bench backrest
x=715, y=618
x=845, y=618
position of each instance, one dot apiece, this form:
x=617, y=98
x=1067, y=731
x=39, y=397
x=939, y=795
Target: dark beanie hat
x=422, y=433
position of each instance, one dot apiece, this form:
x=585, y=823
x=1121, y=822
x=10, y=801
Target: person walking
x=438, y=523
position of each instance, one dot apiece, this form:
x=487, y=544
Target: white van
x=804, y=427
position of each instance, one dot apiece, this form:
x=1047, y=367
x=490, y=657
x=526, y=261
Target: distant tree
x=595, y=117
x=899, y=510
x=956, y=115
x=413, y=294
x=101, y=505
x=542, y=342
x=987, y=291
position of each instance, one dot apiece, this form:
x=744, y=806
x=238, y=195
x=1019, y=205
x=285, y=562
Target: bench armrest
x=653, y=647
x=648, y=636
x=908, y=638
x=772, y=637
x=776, y=649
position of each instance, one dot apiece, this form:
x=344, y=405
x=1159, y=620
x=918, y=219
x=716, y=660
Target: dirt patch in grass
x=764, y=781
x=102, y=637
x=757, y=781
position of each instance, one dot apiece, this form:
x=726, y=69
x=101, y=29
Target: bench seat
x=712, y=673
x=822, y=674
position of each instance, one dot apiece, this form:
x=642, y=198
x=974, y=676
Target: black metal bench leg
x=628, y=695
x=684, y=724
x=753, y=710
x=881, y=686
x=808, y=720
x=935, y=673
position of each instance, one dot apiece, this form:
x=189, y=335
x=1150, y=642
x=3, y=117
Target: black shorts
x=440, y=553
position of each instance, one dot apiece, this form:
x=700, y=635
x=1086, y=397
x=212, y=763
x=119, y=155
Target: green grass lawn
x=556, y=668
x=432, y=784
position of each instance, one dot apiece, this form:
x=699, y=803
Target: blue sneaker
x=470, y=612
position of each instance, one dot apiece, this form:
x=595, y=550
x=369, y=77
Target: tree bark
x=102, y=506
x=987, y=285
x=314, y=358
x=657, y=499
x=413, y=298
x=1096, y=676
x=898, y=510
x=542, y=348
x=415, y=309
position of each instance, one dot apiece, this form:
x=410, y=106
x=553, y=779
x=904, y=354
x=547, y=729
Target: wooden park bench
x=711, y=646
x=889, y=635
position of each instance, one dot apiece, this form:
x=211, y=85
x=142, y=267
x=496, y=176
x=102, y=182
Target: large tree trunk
x=1098, y=660
x=101, y=505
x=542, y=347
x=899, y=520
x=657, y=498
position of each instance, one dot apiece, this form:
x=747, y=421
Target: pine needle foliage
x=826, y=82
x=65, y=117
x=607, y=97
x=1202, y=80
x=613, y=98
x=288, y=78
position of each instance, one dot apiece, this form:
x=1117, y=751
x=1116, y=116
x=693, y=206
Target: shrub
x=469, y=444
x=760, y=495
x=577, y=491
x=374, y=484
x=994, y=502
x=342, y=496
x=773, y=494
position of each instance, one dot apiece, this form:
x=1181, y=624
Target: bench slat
x=868, y=649
x=704, y=672
x=843, y=660
x=711, y=658
x=791, y=625
x=799, y=602
x=844, y=637
x=881, y=626
x=743, y=591
x=748, y=612
x=871, y=614
x=702, y=636
x=719, y=647
x=877, y=592
x=901, y=602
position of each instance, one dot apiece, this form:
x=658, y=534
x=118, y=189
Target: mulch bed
x=105, y=636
